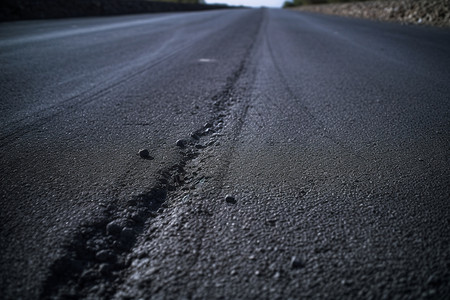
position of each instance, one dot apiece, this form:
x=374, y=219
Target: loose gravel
x=230, y=199
x=144, y=153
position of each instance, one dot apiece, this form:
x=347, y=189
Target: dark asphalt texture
x=331, y=136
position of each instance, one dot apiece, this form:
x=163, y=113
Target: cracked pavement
x=331, y=134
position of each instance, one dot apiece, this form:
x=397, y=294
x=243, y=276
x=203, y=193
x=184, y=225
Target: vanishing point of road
x=330, y=136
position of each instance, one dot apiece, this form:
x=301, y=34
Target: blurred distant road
x=329, y=135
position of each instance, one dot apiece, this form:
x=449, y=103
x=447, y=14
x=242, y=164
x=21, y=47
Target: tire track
x=18, y=129
x=319, y=125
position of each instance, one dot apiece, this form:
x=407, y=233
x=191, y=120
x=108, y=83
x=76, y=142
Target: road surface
x=330, y=135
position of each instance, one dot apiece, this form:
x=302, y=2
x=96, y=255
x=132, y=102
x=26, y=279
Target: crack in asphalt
x=97, y=256
x=98, y=252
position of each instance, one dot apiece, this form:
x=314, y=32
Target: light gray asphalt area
x=332, y=134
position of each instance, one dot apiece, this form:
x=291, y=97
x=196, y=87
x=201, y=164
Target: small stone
x=195, y=136
x=105, y=268
x=127, y=234
x=207, y=125
x=144, y=153
x=199, y=146
x=271, y=222
x=88, y=275
x=181, y=143
x=113, y=228
x=230, y=199
x=433, y=280
x=297, y=263
x=138, y=218
x=273, y=266
x=104, y=255
x=132, y=202
x=276, y=276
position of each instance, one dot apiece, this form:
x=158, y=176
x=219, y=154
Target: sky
x=254, y=3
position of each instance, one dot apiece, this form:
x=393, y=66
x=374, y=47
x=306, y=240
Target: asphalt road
x=330, y=134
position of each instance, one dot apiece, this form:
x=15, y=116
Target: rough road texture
x=328, y=134
x=427, y=12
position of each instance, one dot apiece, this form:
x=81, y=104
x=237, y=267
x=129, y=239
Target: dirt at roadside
x=427, y=12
